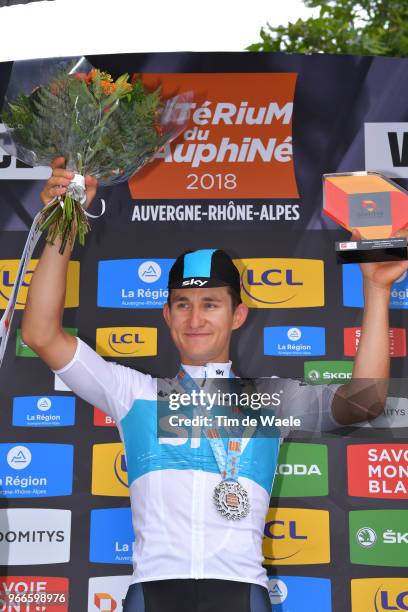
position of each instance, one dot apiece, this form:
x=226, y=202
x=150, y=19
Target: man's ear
x=166, y=313
x=240, y=316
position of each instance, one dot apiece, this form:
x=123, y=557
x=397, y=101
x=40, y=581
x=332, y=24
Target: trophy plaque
x=373, y=204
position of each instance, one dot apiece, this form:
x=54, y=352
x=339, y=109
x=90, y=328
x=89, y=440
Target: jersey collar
x=209, y=370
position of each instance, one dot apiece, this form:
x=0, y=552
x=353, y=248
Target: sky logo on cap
x=290, y=593
x=40, y=411
x=353, y=289
x=281, y=283
x=36, y=470
x=283, y=341
x=133, y=283
x=112, y=536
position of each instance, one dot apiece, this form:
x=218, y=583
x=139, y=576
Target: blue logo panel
x=112, y=536
x=35, y=470
x=43, y=411
x=133, y=283
x=353, y=289
x=284, y=341
x=296, y=593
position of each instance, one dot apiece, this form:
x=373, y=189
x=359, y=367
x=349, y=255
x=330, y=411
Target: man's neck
x=197, y=363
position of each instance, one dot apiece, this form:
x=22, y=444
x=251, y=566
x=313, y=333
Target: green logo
x=379, y=537
x=302, y=471
x=327, y=372
x=22, y=350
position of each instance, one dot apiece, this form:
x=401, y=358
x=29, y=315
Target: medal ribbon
x=227, y=461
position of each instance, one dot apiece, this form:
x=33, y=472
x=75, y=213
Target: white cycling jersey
x=178, y=531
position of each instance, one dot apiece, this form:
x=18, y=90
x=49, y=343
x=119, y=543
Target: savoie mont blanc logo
x=378, y=470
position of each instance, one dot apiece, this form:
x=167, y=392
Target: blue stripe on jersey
x=145, y=454
x=198, y=263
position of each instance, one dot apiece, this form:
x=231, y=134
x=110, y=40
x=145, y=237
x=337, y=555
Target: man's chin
x=197, y=356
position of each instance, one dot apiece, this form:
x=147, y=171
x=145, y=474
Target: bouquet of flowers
x=103, y=127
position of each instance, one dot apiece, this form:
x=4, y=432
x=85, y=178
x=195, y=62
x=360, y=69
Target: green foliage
x=105, y=133
x=363, y=27
x=102, y=128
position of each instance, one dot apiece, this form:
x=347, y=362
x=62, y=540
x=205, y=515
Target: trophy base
x=382, y=249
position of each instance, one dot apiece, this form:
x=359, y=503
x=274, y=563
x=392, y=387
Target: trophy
x=375, y=206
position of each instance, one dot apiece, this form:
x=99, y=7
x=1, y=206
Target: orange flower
x=93, y=74
x=108, y=87
x=82, y=76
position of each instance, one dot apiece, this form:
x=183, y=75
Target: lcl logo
x=282, y=283
x=126, y=341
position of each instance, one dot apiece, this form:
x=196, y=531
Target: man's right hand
x=60, y=179
x=42, y=318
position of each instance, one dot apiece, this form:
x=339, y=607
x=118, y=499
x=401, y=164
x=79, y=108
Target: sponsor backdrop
x=246, y=177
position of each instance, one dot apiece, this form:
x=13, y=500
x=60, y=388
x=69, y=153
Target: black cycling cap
x=204, y=268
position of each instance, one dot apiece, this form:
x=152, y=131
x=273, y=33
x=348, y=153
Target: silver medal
x=231, y=499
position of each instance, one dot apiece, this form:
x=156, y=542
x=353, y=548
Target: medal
x=231, y=499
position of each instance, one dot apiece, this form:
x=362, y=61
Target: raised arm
x=42, y=319
x=363, y=398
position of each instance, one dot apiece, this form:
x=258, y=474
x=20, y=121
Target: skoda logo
x=366, y=537
x=313, y=375
x=149, y=271
x=294, y=334
x=19, y=457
